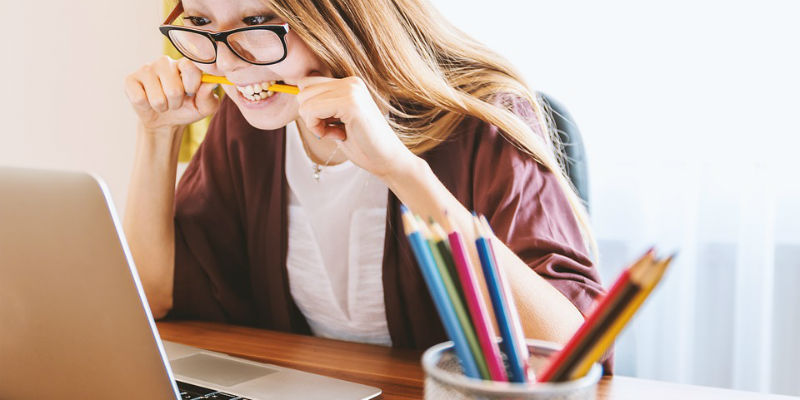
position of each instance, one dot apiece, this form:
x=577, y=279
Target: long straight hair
x=429, y=75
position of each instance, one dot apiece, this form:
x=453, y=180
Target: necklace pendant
x=317, y=169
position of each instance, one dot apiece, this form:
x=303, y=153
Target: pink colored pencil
x=476, y=305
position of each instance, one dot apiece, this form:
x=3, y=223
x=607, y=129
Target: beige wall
x=63, y=105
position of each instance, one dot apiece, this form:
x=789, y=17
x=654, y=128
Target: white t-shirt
x=336, y=235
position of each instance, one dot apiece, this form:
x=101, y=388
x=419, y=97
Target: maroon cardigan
x=231, y=228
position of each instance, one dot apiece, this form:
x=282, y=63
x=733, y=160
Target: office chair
x=571, y=146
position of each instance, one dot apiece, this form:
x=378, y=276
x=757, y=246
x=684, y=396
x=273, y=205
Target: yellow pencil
x=650, y=278
x=275, y=88
x=215, y=79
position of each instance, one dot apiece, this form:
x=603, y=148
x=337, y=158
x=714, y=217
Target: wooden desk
x=397, y=372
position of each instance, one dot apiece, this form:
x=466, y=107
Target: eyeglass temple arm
x=174, y=14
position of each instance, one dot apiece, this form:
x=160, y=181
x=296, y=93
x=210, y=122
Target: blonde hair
x=428, y=74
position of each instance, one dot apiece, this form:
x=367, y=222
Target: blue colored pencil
x=516, y=325
x=439, y=294
x=507, y=322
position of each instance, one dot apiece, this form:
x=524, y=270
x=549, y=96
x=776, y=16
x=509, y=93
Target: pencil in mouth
x=262, y=89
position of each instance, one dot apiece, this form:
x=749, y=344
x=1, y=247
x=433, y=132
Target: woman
x=284, y=220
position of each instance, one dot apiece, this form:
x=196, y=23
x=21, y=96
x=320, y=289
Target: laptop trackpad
x=217, y=370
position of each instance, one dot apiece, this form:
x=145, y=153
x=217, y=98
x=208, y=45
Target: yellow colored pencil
x=215, y=79
x=650, y=278
x=275, y=88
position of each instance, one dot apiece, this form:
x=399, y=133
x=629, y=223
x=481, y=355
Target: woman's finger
x=152, y=88
x=318, y=109
x=317, y=89
x=171, y=84
x=313, y=80
x=333, y=131
x=190, y=76
x=136, y=94
x=206, y=101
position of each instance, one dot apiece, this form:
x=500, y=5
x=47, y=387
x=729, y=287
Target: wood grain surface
x=396, y=371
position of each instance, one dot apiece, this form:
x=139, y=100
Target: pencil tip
x=485, y=223
x=476, y=223
x=409, y=225
x=447, y=223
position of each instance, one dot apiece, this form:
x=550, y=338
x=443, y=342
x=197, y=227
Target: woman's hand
x=364, y=136
x=168, y=93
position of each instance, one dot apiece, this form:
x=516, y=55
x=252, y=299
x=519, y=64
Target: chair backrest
x=575, y=164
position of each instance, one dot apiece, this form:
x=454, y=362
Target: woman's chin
x=268, y=124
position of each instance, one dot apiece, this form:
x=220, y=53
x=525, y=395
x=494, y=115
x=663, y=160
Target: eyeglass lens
x=259, y=46
x=193, y=45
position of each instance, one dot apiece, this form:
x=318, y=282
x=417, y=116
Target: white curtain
x=689, y=112
x=726, y=313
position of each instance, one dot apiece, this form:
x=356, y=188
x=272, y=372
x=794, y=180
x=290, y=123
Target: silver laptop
x=74, y=322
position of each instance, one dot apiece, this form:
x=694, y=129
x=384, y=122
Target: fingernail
x=190, y=94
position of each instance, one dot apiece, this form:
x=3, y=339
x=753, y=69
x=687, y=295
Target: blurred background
x=688, y=111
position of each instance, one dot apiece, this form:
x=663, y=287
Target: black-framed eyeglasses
x=259, y=45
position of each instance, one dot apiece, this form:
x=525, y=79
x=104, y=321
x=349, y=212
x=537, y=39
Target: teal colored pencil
x=440, y=259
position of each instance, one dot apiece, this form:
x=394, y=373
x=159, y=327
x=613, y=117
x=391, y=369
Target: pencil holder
x=444, y=379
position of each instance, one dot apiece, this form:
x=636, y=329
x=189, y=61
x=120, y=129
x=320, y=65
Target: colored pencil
x=504, y=309
x=441, y=300
x=440, y=238
x=291, y=89
x=625, y=289
x=649, y=280
x=519, y=335
x=559, y=361
x=444, y=261
x=476, y=304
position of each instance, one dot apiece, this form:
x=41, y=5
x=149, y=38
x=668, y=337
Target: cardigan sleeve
x=530, y=213
x=210, y=253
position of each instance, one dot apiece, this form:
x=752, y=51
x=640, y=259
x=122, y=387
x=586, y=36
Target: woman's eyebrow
x=196, y=8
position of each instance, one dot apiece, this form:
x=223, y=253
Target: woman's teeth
x=256, y=91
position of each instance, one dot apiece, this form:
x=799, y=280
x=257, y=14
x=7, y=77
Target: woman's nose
x=227, y=61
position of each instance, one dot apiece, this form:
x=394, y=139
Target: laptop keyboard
x=189, y=391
